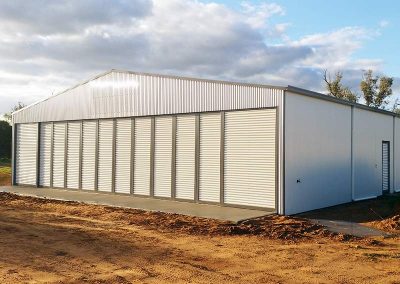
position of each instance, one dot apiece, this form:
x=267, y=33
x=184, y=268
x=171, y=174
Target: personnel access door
x=385, y=166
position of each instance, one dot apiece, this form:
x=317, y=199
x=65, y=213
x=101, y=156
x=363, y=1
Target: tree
x=375, y=94
x=336, y=88
x=396, y=108
x=5, y=139
x=8, y=115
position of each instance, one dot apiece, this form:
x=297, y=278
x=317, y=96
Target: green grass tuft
x=5, y=170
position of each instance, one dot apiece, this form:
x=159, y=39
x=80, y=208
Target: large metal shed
x=207, y=141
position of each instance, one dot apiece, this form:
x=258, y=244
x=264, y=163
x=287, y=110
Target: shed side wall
x=317, y=153
x=396, y=155
x=370, y=129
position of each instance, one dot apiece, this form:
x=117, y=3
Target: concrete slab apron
x=150, y=204
x=350, y=228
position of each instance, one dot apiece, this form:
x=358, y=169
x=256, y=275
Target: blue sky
x=47, y=46
x=316, y=16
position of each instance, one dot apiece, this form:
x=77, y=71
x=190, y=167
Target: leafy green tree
x=375, y=94
x=336, y=88
x=5, y=139
x=8, y=115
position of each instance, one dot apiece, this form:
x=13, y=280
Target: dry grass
x=5, y=173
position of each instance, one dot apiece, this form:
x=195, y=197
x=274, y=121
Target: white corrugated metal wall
x=125, y=94
x=249, y=160
x=128, y=94
x=45, y=153
x=120, y=94
x=26, y=158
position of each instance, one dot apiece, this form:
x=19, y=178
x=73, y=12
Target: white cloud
x=45, y=48
x=257, y=15
x=383, y=23
x=61, y=17
x=334, y=49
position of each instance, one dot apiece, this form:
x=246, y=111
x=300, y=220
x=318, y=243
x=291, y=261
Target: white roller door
x=163, y=156
x=105, y=155
x=26, y=157
x=88, y=154
x=185, y=156
x=73, y=149
x=45, y=154
x=210, y=146
x=123, y=155
x=142, y=156
x=250, y=158
x=59, y=154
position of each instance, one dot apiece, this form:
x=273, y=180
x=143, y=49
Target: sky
x=47, y=46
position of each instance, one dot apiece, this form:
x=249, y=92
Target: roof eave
x=317, y=95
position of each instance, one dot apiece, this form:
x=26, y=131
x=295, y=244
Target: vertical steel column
x=65, y=153
x=132, y=165
x=51, y=154
x=13, y=153
x=113, y=153
x=80, y=154
x=277, y=149
x=283, y=159
x=393, y=187
x=352, y=153
x=38, y=155
x=197, y=159
x=96, y=158
x=390, y=178
x=152, y=149
x=221, y=159
x=173, y=159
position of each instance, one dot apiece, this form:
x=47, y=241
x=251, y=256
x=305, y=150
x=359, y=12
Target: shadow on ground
x=365, y=211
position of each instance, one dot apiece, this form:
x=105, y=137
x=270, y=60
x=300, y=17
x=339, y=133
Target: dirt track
x=47, y=241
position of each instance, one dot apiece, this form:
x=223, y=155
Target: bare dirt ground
x=44, y=241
